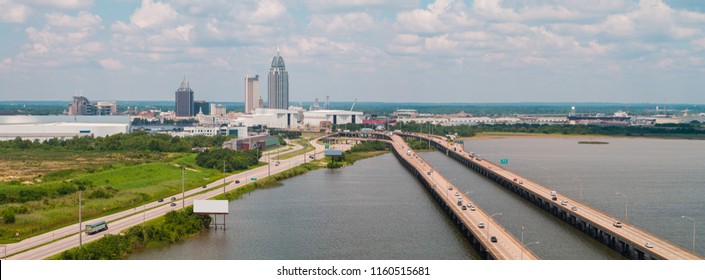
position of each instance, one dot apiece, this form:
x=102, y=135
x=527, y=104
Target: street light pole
x=626, y=218
x=224, y=177
x=183, y=189
x=80, y=222
x=525, y=247
x=488, y=223
x=693, y=220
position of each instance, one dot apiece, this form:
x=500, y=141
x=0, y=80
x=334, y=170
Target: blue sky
x=372, y=50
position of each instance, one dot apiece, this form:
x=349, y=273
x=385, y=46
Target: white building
x=240, y=132
x=336, y=117
x=218, y=110
x=272, y=118
x=60, y=130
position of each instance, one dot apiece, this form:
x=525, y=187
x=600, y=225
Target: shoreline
x=503, y=135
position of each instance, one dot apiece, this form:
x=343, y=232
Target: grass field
x=116, y=188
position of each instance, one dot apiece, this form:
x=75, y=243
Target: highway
x=636, y=236
x=507, y=247
x=54, y=242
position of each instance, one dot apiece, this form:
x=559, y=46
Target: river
x=376, y=210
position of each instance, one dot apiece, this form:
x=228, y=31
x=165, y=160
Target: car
x=460, y=203
x=237, y=181
x=472, y=208
x=564, y=202
x=311, y=157
x=428, y=173
x=574, y=208
x=173, y=204
x=493, y=239
x=160, y=200
x=515, y=179
x=521, y=182
x=481, y=225
x=470, y=204
x=450, y=188
x=173, y=198
x=204, y=186
x=464, y=208
x=649, y=245
x=276, y=164
x=457, y=194
x=617, y=224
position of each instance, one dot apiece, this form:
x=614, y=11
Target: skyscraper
x=251, y=93
x=278, y=81
x=184, y=100
x=201, y=106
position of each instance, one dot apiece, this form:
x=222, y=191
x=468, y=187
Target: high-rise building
x=251, y=94
x=184, y=100
x=278, y=84
x=106, y=108
x=218, y=110
x=81, y=106
x=201, y=106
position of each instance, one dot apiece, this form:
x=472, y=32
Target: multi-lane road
x=638, y=237
x=51, y=243
x=504, y=247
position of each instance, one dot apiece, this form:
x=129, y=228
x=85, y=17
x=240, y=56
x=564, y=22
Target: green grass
x=135, y=185
x=307, y=149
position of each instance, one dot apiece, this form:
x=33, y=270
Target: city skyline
x=480, y=51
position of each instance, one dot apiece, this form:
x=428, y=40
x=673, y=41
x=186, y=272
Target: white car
x=649, y=245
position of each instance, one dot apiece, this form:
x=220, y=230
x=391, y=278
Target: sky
x=648, y=51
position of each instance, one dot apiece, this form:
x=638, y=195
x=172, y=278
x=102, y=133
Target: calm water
x=376, y=210
x=661, y=179
x=371, y=210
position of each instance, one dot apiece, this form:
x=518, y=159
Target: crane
x=353, y=106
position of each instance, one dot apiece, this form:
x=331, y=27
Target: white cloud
x=439, y=16
x=440, y=43
x=12, y=12
x=492, y=9
x=153, y=14
x=111, y=64
x=351, y=22
x=65, y=4
x=83, y=20
x=407, y=39
x=266, y=11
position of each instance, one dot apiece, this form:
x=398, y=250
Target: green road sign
x=253, y=179
x=504, y=161
x=327, y=146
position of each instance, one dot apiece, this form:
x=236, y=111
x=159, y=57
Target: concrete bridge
x=627, y=239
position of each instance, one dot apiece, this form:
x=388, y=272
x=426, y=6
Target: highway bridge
x=627, y=239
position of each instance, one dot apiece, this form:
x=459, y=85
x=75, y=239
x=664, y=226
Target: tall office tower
x=251, y=94
x=278, y=90
x=184, y=100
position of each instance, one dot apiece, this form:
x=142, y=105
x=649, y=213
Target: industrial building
x=272, y=118
x=237, y=131
x=263, y=142
x=47, y=127
x=60, y=130
x=336, y=117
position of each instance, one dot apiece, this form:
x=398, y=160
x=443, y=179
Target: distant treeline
x=690, y=129
x=135, y=141
x=228, y=159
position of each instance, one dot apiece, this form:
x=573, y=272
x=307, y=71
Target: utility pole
x=223, y=176
x=183, y=189
x=80, y=222
x=269, y=164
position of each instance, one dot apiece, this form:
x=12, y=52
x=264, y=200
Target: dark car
x=173, y=204
x=160, y=200
x=493, y=239
x=237, y=181
x=464, y=208
x=173, y=198
x=204, y=186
